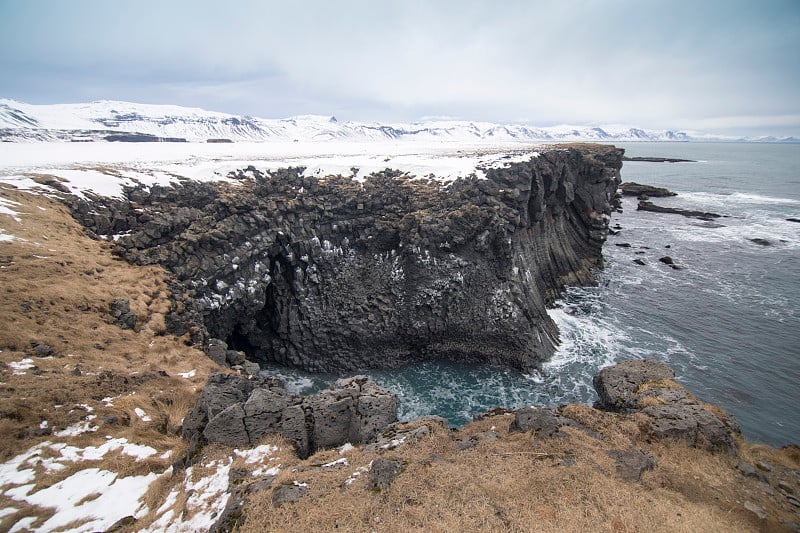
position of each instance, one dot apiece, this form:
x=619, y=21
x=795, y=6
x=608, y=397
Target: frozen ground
x=104, y=167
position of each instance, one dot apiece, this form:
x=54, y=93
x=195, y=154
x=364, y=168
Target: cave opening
x=240, y=342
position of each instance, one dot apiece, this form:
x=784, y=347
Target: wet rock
x=667, y=260
x=761, y=242
x=631, y=463
x=645, y=205
x=636, y=189
x=640, y=262
x=382, y=473
x=658, y=159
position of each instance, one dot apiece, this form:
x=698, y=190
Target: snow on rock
x=84, y=426
x=257, y=454
x=144, y=417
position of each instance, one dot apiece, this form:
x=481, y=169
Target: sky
x=729, y=66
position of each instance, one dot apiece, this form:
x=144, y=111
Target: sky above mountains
x=730, y=66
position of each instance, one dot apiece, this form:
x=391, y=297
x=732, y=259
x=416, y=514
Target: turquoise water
x=728, y=321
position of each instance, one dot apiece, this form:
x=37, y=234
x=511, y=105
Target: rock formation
x=645, y=205
x=239, y=411
x=672, y=411
x=630, y=188
x=331, y=274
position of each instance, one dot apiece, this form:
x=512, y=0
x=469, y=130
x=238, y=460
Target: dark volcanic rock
x=618, y=385
x=382, y=473
x=658, y=159
x=239, y=411
x=543, y=421
x=630, y=188
x=644, y=205
x=331, y=274
x=672, y=411
x=632, y=463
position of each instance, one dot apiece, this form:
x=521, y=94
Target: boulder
x=542, y=421
x=630, y=188
x=617, y=386
x=382, y=473
x=121, y=313
x=671, y=411
x=632, y=463
x=238, y=411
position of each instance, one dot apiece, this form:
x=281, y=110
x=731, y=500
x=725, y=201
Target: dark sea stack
x=330, y=274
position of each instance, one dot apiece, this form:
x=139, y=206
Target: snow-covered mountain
x=124, y=121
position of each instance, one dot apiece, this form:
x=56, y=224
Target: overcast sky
x=719, y=66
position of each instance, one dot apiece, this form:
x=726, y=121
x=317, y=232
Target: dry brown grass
x=56, y=286
x=518, y=483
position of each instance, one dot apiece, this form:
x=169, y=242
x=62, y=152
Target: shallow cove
x=728, y=323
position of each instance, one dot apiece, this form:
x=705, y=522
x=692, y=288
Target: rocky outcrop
x=239, y=411
x=331, y=274
x=658, y=159
x=630, y=188
x=645, y=205
x=671, y=411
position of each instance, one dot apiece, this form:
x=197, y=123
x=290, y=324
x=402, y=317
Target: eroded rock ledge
x=330, y=274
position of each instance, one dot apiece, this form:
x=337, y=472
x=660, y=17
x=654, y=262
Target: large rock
x=331, y=274
x=240, y=411
x=631, y=188
x=618, y=385
x=672, y=411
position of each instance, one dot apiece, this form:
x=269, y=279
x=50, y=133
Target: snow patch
x=144, y=417
x=189, y=374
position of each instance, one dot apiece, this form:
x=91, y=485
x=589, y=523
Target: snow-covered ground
x=104, y=167
x=20, y=121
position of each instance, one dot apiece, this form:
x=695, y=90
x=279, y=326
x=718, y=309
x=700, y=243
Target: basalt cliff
x=332, y=273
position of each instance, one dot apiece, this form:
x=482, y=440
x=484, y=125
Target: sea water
x=727, y=321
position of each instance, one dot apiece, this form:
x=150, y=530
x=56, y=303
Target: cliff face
x=331, y=274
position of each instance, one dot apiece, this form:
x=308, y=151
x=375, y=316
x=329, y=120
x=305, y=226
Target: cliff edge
x=332, y=273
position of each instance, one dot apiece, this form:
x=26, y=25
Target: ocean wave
x=723, y=199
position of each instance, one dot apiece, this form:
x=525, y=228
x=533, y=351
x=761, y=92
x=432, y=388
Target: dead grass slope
x=519, y=482
x=56, y=288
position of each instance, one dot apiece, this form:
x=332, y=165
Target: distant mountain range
x=130, y=122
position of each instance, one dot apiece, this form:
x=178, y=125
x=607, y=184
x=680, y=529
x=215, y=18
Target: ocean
x=727, y=321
